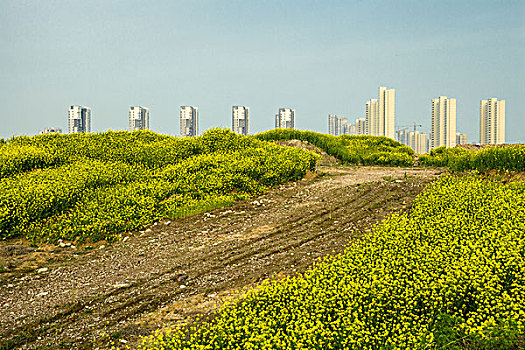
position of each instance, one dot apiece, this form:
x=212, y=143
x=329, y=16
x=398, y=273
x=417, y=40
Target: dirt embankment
x=176, y=270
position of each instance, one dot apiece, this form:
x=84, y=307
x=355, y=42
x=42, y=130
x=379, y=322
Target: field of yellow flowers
x=448, y=275
x=501, y=157
x=90, y=187
x=352, y=149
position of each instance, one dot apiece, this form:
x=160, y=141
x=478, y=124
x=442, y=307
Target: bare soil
x=88, y=297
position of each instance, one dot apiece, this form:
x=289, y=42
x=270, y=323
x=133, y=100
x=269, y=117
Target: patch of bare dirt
x=176, y=270
x=326, y=159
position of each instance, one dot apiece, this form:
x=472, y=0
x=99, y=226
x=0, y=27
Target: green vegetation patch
x=90, y=187
x=508, y=157
x=448, y=275
x=358, y=149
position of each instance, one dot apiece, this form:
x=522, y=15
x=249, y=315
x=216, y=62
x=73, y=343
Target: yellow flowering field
x=448, y=275
x=89, y=187
x=352, y=149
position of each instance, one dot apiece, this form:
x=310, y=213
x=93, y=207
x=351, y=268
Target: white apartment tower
x=189, y=121
x=371, y=117
x=492, y=122
x=79, y=119
x=360, y=126
x=387, y=112
x=381, y=113
x=241, y=120
x=138, y=118
x=285, y=119
x=443, y=122
x=332, y=124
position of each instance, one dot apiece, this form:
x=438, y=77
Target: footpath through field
x=174, y=271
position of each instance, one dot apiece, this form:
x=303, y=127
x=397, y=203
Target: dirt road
x=64, y=297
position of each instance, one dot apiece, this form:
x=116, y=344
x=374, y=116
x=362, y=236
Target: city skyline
x=443, y=121
x=327, y=60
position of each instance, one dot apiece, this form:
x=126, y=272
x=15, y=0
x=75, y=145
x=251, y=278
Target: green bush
x=355, y=149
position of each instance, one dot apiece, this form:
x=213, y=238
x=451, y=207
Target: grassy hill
x=95, y=186
x=359, y=149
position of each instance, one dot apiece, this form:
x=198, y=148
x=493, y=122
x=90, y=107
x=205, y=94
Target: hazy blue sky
x=318, y=57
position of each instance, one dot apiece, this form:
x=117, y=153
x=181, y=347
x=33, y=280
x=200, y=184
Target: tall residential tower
x=387, y=112
x=381, y=113
x=189, y=121
x=443, y=122
x=241, y=120
x=285, y=119
x=371, y=116
x=138, y=118
x=492, y=122
x=79, y=119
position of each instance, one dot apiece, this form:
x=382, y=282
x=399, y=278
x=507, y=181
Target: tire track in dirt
x=176, y=270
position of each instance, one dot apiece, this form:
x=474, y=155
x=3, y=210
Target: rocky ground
x=88, y=297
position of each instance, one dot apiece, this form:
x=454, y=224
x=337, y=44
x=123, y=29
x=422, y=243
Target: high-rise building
x=189, y=121
x=338, y=125
x=381, y=113
x=79, y=119
x=461, y=139
x=492, y=122
x=417, y=141
x=372, y=115
x=443, y=112
x=332, y=124
x=360, y=126
x=285, y=119
x=241, y=120
x=138, y=118
x=51, y=130
x=387, y=112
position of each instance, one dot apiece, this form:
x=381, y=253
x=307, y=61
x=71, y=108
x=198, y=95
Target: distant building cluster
x=380, y=121
x=338, y=125
x=50, y=130
x=461, y=139
x=418, y=141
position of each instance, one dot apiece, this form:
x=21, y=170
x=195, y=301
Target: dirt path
x=173, y=271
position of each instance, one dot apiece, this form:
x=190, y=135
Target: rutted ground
x=174, y=271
